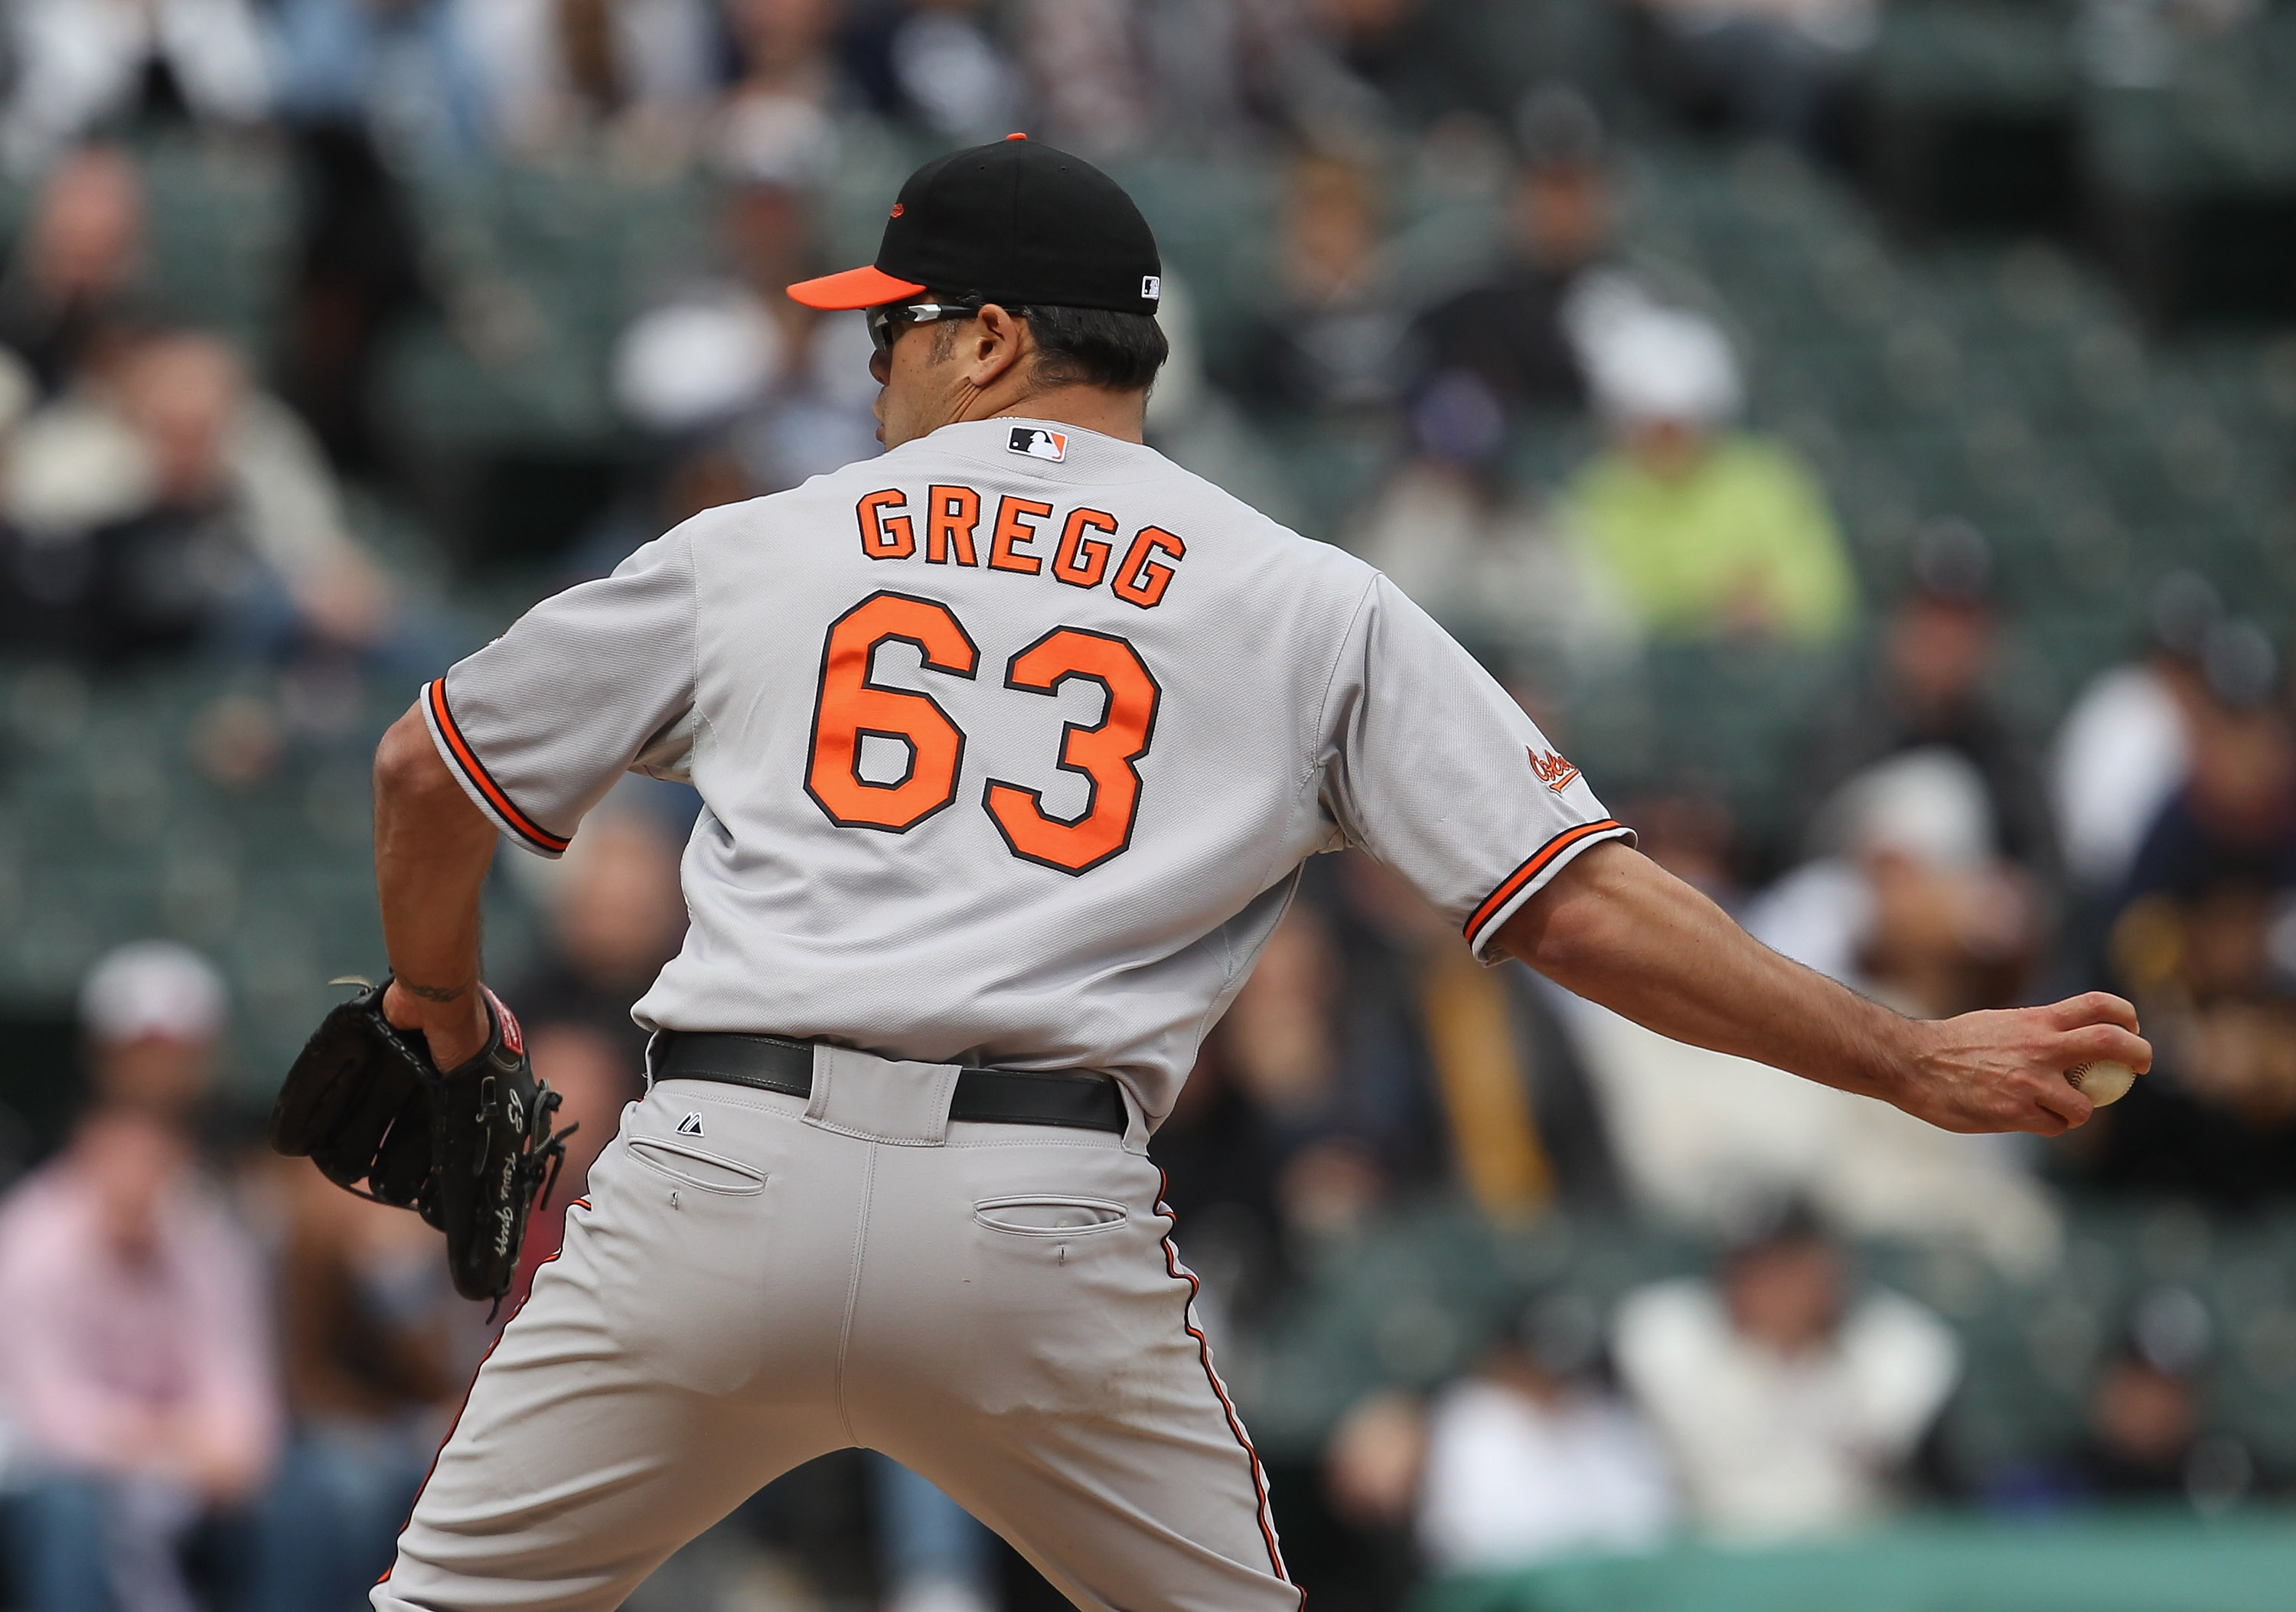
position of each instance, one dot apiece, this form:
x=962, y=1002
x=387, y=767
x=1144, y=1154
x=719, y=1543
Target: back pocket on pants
x=691, y=1167
x=1043, y=1214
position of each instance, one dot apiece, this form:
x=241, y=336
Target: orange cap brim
x=855, y=288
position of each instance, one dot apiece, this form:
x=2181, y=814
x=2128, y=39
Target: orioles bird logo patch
x=1552, y=771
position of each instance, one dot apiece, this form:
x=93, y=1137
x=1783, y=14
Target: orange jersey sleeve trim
x=466, y=760
x=1539, y=862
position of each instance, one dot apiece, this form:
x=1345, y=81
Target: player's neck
x=1122, y=415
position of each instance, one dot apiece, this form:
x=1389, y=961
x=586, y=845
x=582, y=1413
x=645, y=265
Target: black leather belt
x=1003, y=1097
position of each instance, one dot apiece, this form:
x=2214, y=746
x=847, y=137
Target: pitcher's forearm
x=431, y=850
x=1616, y=929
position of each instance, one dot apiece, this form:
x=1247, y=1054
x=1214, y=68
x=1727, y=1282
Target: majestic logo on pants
x=1038, y=443
x=691, y=1125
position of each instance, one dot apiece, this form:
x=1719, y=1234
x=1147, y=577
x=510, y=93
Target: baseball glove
x=470, y=1148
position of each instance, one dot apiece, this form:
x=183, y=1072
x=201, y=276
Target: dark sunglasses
x=887, y=320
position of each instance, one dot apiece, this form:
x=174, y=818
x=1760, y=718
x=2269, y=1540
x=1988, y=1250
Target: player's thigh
x=1121, y=1513
x=1035, y=1353
x=578, y=1464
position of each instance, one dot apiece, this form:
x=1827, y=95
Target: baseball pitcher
x=1012, y=744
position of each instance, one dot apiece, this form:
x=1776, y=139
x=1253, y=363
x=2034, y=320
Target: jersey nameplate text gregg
x=1024, y=537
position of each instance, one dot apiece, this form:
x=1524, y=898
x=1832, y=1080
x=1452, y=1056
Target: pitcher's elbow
x=406, y=764
x=1559, y=942
x=1575, y=918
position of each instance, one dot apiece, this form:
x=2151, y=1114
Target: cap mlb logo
x=1038, y=443
x=1151, y=287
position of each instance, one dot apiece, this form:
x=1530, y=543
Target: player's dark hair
x=1083, y=347
x=1094, y=347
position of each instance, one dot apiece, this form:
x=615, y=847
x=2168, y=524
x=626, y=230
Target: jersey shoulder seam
x=1307, y=774
x=1312, y=747
x=1331, y=676
x=693, y=631
x=693, y=642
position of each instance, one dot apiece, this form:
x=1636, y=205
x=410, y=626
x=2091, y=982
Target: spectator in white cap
x=1909, y=898
x=728, y=373
x=1710, y=532
x=152, y=1013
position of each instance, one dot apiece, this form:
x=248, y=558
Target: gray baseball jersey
x=1011, y=744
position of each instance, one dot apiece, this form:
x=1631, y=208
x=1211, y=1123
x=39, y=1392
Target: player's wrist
x=458, y=1037
x=1897, y=1051
x=453, y=1019
x=439, y=996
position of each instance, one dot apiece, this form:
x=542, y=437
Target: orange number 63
x=851, y=707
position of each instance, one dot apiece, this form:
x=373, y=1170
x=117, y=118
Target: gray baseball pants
x=756, y=1279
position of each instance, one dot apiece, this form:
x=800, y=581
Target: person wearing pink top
x=137, y=1392
x=135, y=1368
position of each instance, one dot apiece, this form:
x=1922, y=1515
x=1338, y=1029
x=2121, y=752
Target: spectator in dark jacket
x=1937, y=685
x=1511, y=329
x=2201, y=945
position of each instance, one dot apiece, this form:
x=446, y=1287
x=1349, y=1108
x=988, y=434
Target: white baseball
x=2102, y=1080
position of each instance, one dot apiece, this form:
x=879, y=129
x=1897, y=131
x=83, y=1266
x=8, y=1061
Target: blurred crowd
x=163, y=490
x=224, y=1377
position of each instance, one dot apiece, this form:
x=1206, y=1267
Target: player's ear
x=1000, y=342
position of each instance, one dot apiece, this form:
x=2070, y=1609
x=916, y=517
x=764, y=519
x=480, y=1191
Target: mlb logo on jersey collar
x=1038, y=443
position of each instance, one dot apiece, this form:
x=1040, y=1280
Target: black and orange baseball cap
x=1015, y=222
